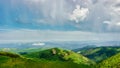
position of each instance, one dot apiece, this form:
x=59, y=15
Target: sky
x=59, y=20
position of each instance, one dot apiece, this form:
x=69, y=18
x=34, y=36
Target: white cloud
x=114, y=10
x=79, y=14
x=118, y=24
x=109, y=13
x=38, y=44
x=112, y=25
x=106, y=22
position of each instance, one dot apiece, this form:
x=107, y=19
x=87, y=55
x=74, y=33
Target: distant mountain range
x=66, y=44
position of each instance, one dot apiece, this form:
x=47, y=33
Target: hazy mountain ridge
x=60, y=44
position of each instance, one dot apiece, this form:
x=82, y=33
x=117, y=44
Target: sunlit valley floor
x=73, y=54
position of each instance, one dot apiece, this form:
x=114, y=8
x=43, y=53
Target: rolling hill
x=55, y=54
x=57, y=57
x=112, y=62
x=50, y=58
x=98, y=54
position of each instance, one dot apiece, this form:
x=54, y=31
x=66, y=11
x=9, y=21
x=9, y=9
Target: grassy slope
x=9, y=60
x=61, y=55
x=99, y=54
x=52, y=58
x=112, y=62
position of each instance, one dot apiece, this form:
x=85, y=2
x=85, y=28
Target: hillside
x=112, y=62
x=13, y=60
x=56, y=57
x=98, y=54
x=10, y=60
x=56, y=54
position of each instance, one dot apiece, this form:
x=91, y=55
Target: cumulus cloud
x=79, y=14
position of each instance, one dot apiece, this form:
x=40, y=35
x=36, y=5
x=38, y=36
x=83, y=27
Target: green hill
x=10, y=60
x=99, y=54
x=56, y=57
x=112, y=62
x=56, y=54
